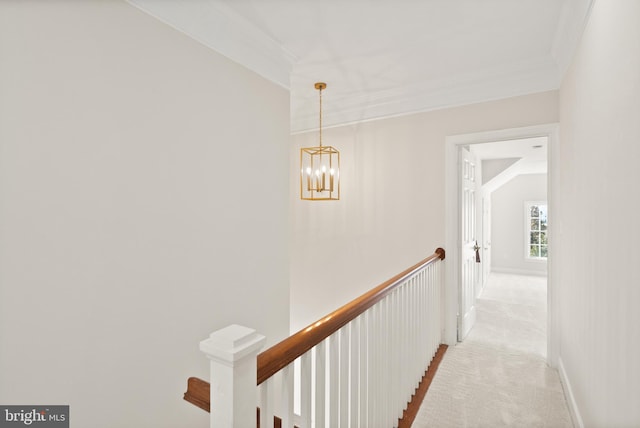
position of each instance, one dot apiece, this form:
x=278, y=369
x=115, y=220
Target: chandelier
x=320, y=167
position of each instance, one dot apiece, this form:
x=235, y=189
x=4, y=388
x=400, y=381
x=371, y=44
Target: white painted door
x=468, y=243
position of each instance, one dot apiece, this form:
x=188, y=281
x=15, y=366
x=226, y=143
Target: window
x=536, y=230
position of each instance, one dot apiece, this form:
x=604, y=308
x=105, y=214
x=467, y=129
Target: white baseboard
x=568, y=392
x=514, y=271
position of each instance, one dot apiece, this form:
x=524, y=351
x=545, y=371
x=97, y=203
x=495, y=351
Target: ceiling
x=383, y=58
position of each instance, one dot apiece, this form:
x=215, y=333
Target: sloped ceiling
x=504, y=160
x=383, y=58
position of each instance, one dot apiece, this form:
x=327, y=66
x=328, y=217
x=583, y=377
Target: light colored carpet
x=498, y=377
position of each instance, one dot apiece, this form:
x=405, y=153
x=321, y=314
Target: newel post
x=234, y=395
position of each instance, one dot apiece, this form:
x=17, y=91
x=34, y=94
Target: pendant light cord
x=320, y=117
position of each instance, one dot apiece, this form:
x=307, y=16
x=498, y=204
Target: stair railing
x=359, y=366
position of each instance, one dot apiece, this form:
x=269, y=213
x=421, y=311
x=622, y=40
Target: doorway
x=460, y=297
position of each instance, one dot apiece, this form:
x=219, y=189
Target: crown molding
x=218, y=27
x=506, y=81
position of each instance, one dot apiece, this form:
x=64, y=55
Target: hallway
x=498, y=376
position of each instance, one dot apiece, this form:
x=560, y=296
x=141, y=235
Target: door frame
x=452, y=213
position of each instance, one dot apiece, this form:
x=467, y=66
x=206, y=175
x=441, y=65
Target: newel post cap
x=232, y=344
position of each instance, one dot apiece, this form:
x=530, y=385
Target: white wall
x=508, y=223
x=392, y=211
x=143, y=204
x=598, y=248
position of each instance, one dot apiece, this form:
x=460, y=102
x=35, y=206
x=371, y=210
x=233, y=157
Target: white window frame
x=527, y=230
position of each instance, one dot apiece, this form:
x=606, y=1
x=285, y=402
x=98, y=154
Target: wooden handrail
x=198, y=393
x=284, y=353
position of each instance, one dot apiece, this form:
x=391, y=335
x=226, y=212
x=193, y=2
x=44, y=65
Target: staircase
x=367, y=364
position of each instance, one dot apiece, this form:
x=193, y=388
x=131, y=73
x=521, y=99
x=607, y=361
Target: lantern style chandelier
x=320, y=167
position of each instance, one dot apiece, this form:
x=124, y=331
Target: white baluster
x=380, y=371
x=397, y=396
x=287, y=396
x=412, y=335
x=266, y=403
x=384, y=362
x=378, y=404
x=334, y=379
x=424, y=322
x=440, y=304
x=305, y=390
x=373, y=367
x=414, y=331
x=354, y=372
x=398, y=344
x=344, y=376
x=434, y=325
x=406, y=385
x=434, y=309
x=320, y=378
x=429, y=313
x=363, y=377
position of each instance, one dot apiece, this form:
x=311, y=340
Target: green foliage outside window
x=537, y=231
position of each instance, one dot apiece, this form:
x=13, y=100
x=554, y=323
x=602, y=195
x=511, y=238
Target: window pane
x=535, y=224
x=543, y=212
x=534, y=211
x=534, y=238
x=536, y=217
